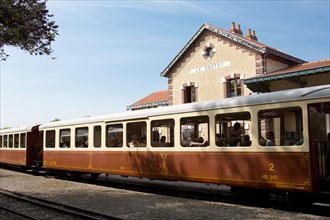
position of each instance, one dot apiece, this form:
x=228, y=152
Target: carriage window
x=136, y=134
x=162, y=133
x=23, y=140
x=195, y=131
x=0, y=141
x=233, y=129
x=10, y=141
x=280, y=127
x=114, y=135
x=50, y=139
x=16, y=140
x=5, y=141
x=65, y=136
x=82, y=137
x=97, y=136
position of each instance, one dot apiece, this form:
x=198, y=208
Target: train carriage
x=21, y=147
x=270, y=141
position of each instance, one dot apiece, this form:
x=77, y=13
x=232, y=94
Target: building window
x=189, y=93
x=208, y=51
x=233, y=85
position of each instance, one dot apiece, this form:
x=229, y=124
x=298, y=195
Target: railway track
x=21, y=206
x=215, y=193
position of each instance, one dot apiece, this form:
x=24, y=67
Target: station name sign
x=210, y=67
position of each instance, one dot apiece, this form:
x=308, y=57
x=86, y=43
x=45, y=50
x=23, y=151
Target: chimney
x=251, y=36
x=239, y=29
x=234, y=30
x=254, y=36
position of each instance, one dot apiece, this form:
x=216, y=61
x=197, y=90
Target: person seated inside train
x=66, y=144
x=235, y=135
x=134, y=141
x=192, y=141
x=143, y=141
x=162, y=139
x=221, y=140
x=270, y=138
x=113, y=142
x=82, y=144
x=246, y=141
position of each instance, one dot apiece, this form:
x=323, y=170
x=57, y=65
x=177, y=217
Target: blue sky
x=110, y=53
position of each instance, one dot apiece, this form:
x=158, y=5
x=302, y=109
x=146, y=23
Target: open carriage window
x=50, y=139
x=23, y=140
x=136, y=134
x=97, y=136
x=195, y=131
x=114, y=135
x=82, y=137
x=11, y=141
x=16, y=140
x=233, y=129
x=162, y=133
x=5, y=141
x=280, y=127
x=65, y=138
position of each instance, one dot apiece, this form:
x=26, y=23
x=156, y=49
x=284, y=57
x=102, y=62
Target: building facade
x=217, y=63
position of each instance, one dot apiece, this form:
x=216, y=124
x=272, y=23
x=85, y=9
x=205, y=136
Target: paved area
x=127, y=204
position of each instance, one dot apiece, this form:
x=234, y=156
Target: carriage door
x=319, y=133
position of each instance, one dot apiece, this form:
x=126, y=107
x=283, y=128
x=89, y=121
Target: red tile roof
x=159, y=98
x=304, y=66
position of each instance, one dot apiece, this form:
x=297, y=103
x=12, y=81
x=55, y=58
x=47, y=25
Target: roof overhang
x=261, y=83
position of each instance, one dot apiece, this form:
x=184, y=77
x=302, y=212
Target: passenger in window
x=113, y=142
x=134, y=141
x=66, y=144
x=235, y=135
x=246, y=141
x=163, y=139
x=192, y=142
x=270, y=138
x=143, y=141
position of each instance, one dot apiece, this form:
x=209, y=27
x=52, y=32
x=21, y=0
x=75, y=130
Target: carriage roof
x=240, y=101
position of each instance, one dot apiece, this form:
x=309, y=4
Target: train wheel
x=94, y=176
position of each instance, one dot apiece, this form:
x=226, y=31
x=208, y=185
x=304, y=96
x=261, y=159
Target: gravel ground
x=127, y=204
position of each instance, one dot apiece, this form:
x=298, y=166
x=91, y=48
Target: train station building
x=218, y=63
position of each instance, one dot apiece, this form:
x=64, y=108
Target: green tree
x=25, y=24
